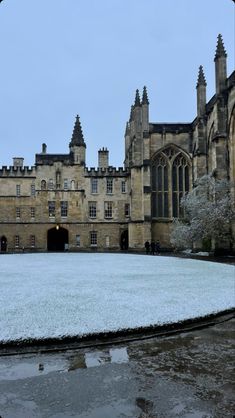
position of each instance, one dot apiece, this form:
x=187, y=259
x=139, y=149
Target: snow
x=55, y=295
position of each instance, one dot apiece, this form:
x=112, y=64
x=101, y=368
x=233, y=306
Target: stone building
x=60, y=204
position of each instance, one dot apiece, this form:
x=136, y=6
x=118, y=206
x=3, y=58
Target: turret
x=77, y=145
x=201, y=93
x=220, y=66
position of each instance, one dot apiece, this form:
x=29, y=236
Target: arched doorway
x=3, y=246
x=57, y=239
x=124, y=242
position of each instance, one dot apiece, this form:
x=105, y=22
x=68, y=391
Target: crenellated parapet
x=13, y=171
x=104, y=172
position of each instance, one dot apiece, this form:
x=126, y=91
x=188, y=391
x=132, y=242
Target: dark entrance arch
x=3, y=244
x=124, y=242
x=57, y=238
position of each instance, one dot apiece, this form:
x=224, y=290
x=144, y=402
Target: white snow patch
x=55, y=295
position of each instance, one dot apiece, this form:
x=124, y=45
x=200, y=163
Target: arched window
x=43, y=185
x=170, y=181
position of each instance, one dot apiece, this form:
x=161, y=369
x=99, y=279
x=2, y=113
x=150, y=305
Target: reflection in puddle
x=99, y=358
x=29, y=368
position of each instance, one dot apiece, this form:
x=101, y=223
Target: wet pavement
x=186, y=375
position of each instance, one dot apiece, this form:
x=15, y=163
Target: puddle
x=99, y=358
x=29, y=368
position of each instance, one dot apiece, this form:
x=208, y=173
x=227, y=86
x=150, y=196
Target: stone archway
x=57, y=239
x=124, y=240
x=3, y=244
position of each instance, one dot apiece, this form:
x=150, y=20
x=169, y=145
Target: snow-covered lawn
x=53, y=295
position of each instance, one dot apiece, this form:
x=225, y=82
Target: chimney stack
x=103, y=158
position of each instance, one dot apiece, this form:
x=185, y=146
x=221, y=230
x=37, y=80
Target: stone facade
x=60, y=204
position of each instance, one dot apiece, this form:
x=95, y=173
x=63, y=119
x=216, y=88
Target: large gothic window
x=170, y=182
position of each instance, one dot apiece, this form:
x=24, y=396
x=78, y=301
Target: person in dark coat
x=157, y=247
x=147, y=247
x=152, y=245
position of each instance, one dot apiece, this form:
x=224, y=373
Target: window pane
x=174, y=178
x=94, y=185
x=165, y=178
x=51, y=208
x=159, y=178
x=159, y=205
x=181, y=210
x=108, y=212
x=123, y=187
x=64, y=209
x=181, y=178
x=92, y=209
x=186, y=176
x=93, y=238
x=154, y=178
x=127, y=209
x=154, y=208
x=166, y=214
x=175, y=204
x=109, y=186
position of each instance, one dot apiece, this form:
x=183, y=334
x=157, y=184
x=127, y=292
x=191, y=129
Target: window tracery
x=170, y=182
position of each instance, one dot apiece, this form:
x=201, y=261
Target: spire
x=137, y=98
x=201, y=77
x=145, y=99
x=220, y=50
x=77, y=136
x=131, y=113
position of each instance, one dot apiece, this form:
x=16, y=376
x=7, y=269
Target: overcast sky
x=60, y=58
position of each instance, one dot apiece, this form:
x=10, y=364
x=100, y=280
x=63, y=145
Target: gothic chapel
x=60, y=204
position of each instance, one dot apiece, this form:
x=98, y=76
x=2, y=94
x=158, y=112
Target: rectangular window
x=94, y=185
x=18, y=212
x=18, y=190
x=32, y=189
x=108, y=210
x=51, y=209
x=127, y=209
x=109, y=186
x=78, y=240
x=17, y=241
x=64, y=209
x=66, y=184
x=50, y=184
x=32, y=212
x=92, y=209
x=93, y=238
x=123, y=188
x=32, y=241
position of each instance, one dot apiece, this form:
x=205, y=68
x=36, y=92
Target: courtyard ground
x=189, y=375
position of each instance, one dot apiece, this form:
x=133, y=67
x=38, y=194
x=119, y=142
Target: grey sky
x=63, y=57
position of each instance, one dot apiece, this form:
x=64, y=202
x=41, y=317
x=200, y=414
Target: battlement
x=13, y=171
x=103, y=172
